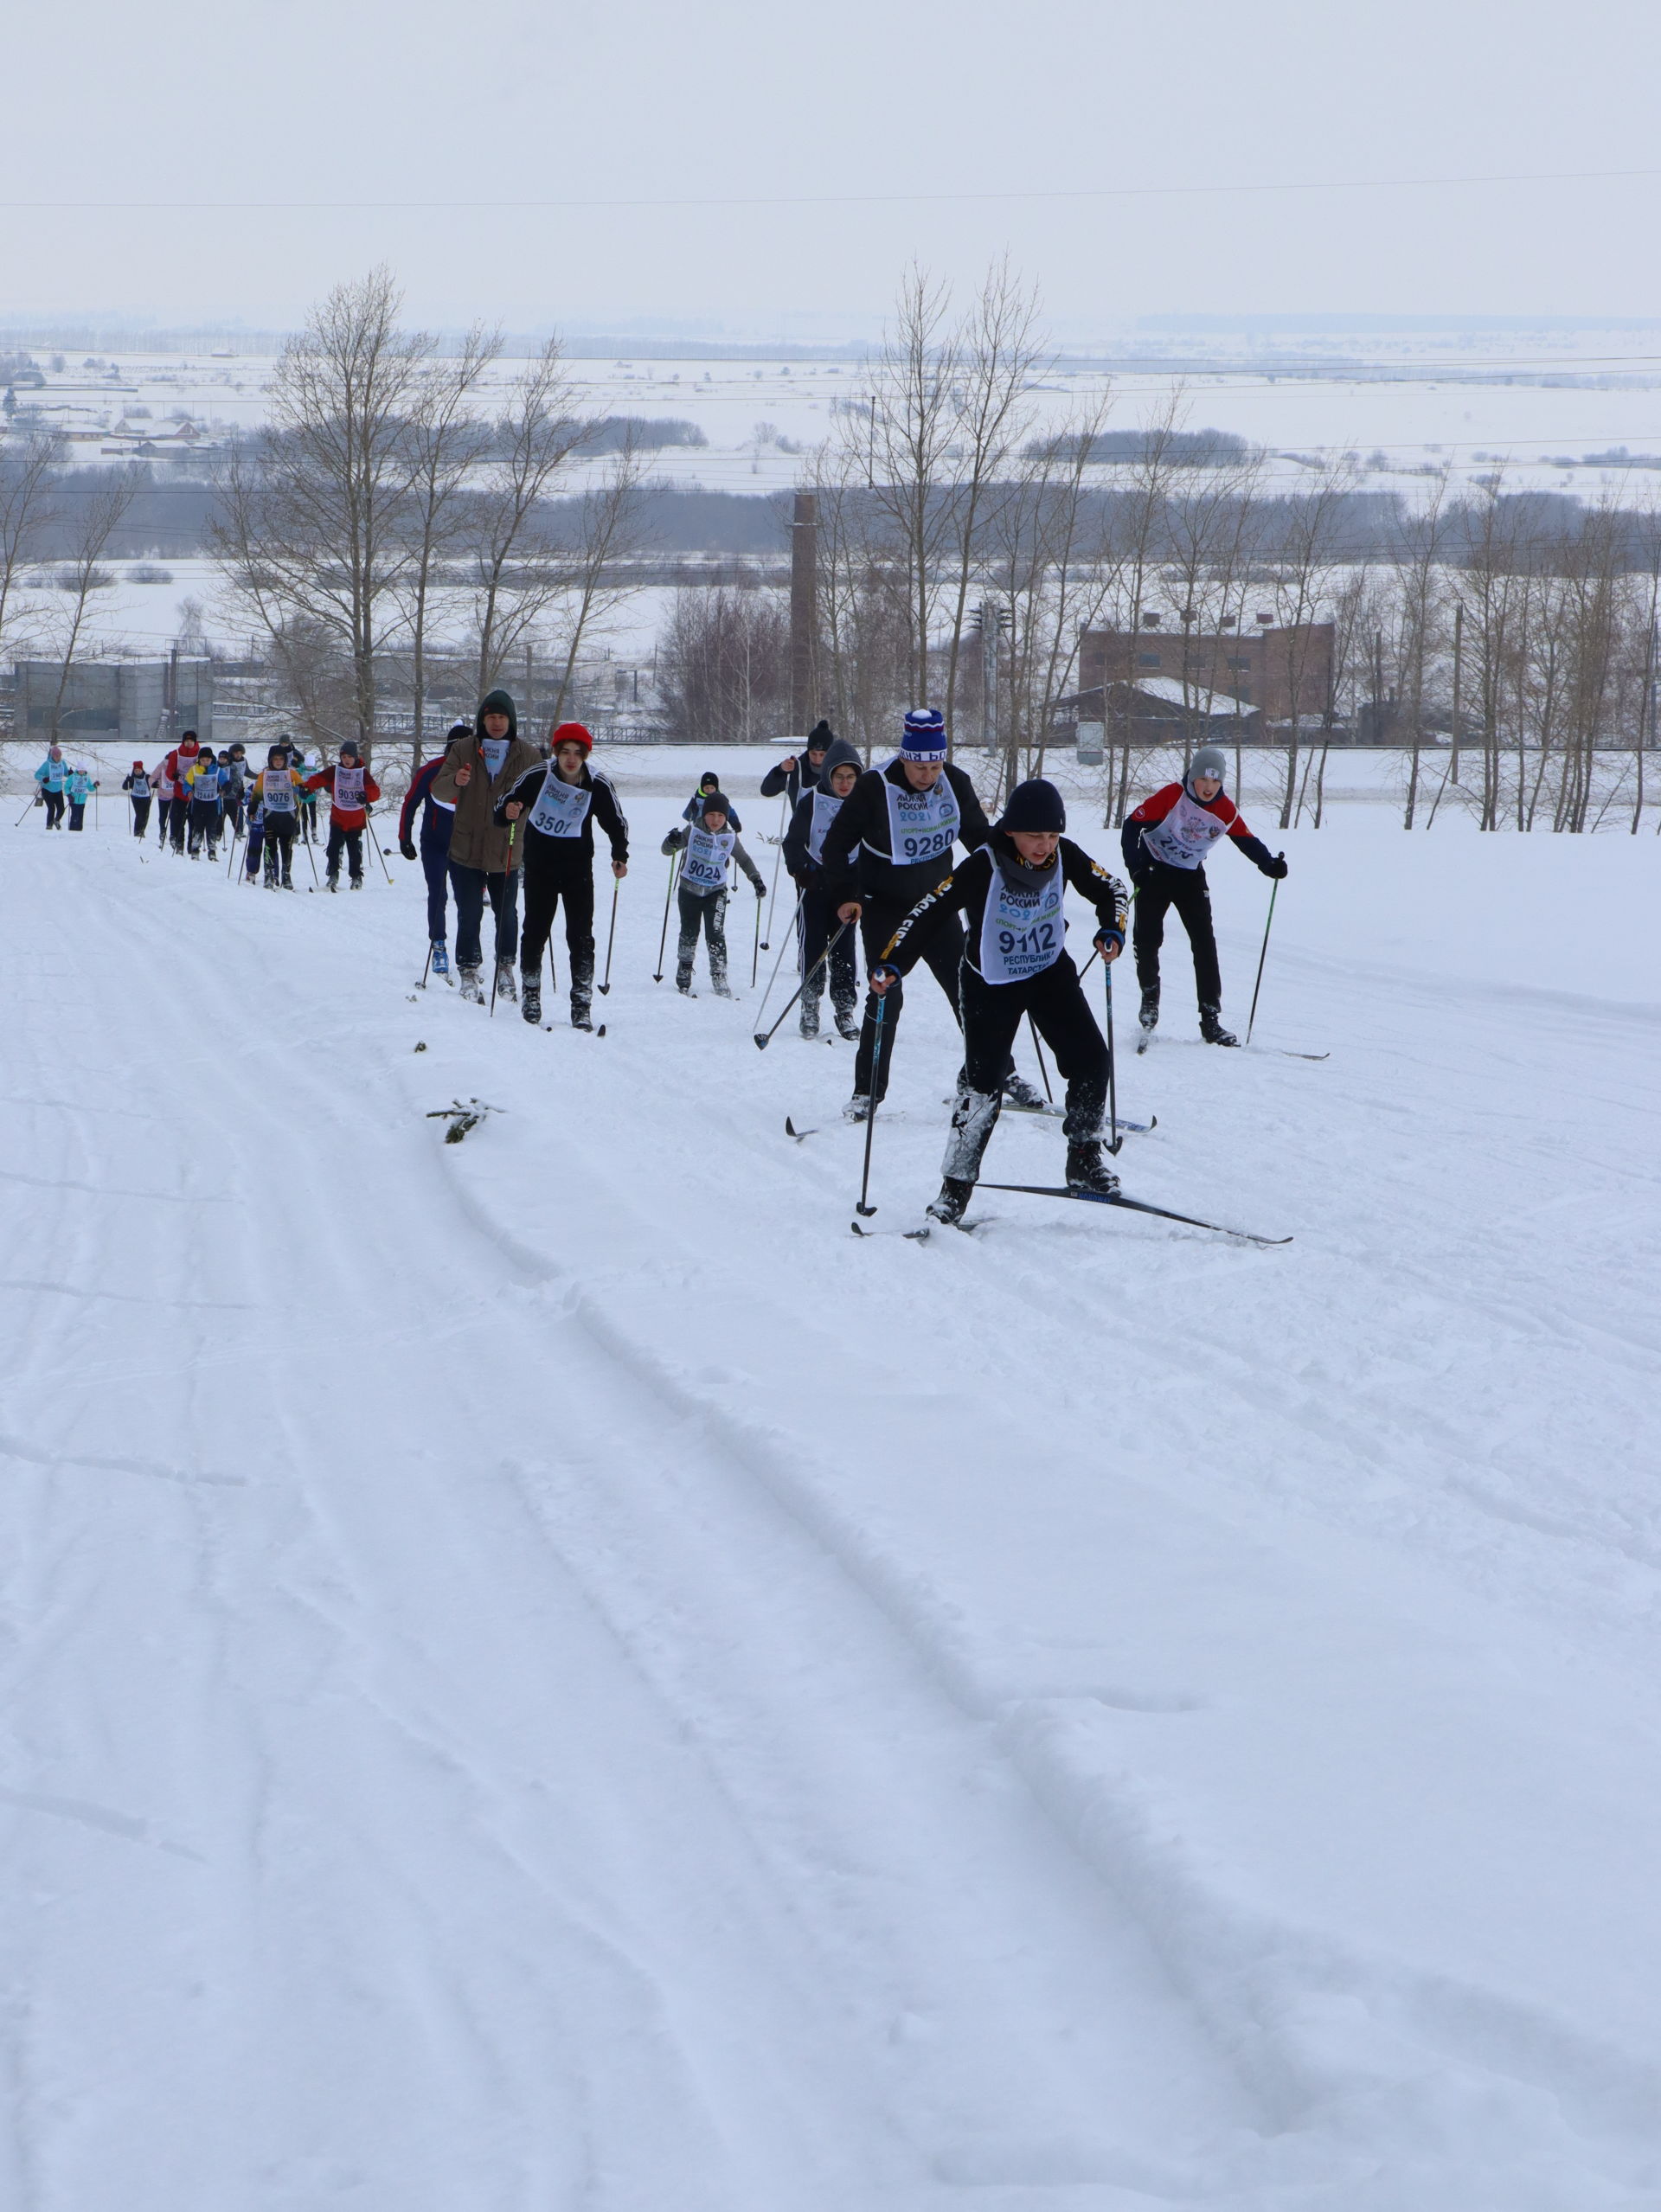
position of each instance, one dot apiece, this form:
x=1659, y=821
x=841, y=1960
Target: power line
x=830, y=199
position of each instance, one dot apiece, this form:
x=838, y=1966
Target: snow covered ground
x=544, y=1673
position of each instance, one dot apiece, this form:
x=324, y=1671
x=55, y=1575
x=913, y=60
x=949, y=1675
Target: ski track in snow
x=543, y=1673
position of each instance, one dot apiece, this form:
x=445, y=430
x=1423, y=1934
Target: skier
x=1012, y=892
x=891, y=842
x=692, y=810
x=795, y=774
x=437, y=818
x=349, y=783
x=274, y=790
x=236, y=764
x=136, y=786
x=1165, y=841
x=78, y=787
x=816, y=810
x=255, y=846
x=477, y=774
x=175, y=771
x=561, y=800
x=709, y=844
x=51, y=775
x=162, y=784
x=203, y=780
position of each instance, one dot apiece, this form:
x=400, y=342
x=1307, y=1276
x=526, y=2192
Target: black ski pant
x=1159, y=887
x=435, y=866
x=178, y=812
x=942, y=955
x=256, y=846
x=77, y=814
x=205, y=819
x=353, y=842
x=279, y=847
x=816, y=924
x=471, y=886
x=545, y=889
x=708, y=914
x=993, y=1012
x=140, y=817
x=53, y=810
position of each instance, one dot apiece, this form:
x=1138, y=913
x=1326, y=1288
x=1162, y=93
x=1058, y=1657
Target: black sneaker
x=1211, y=1027
x=949, y=1208
x=1088, y=1175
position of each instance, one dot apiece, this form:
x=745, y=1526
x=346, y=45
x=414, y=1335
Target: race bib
x=495, y=750
x=923, y=825
x=826, y=807
x=705, y=868
x=560, y=809
x=279, y=791
x=1185, y=835
x=348, y=788
x=1021, y=930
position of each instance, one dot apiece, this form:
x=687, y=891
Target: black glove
x=406, y=846
x=760, y=890
x=1107, y=937
x=1276, y=868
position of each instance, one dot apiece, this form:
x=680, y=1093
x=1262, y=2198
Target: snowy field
x=544, y=1673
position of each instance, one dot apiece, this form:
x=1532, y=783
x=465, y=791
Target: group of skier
x=872, y=853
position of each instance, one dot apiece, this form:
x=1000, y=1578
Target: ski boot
x=1149, y=1015
x=507, y=982
x=809, y=1018
x=473, y=986
x=1022, y=1096
x=846, y=1020
x=331, y=879
x=948, y=1210
x=440, y=957
x=858, y=1108
x=1088, y=1175
x=718, y=982
x=357, y=883
x=583, y=992
x=1211, y=1027
x=530, y=1000
x=288, y=880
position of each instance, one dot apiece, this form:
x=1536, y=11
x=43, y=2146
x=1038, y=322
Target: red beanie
x=572, y=733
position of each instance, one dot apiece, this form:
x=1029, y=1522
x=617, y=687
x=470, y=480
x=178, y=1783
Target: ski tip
x=600, y=1031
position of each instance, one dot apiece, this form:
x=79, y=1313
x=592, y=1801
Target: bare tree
x=28, y=515
x=100, y=515
x=724, y=666
x=1310, y=544
x=313, y=534
x=594, y=582
x=516, y=575
x=448, y=441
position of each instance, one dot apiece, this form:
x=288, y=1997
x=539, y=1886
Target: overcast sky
x=355, y=101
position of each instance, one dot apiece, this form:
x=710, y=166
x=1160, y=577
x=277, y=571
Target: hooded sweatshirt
x=476, y=842
x=816, y=810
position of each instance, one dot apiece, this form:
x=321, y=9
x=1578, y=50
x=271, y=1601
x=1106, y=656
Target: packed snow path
x=541, y=1674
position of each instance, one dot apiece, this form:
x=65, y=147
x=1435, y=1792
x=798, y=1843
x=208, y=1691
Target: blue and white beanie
x=925, y=737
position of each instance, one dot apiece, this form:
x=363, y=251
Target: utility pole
x=1458, y=670
x=804, y=612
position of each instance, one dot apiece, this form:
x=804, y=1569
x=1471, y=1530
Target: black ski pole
x=762, y=1043
x=663, y=937
x=313, y=857
x=495, y=952
x=230, y=865
x=1262, y=956
x=33, y=801
x=755, y=950
x=1039, y=1049
x=611, y=935
x=1113, y=1072
x=373, y=835
x=772, y=896
x=427, y=966
x=861, y=1208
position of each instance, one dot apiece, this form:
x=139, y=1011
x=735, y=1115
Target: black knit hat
x=711, y=802
x=819, y=737
x=1035, y=805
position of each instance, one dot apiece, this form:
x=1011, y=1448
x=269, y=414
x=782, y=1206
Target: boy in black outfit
x=561, y=800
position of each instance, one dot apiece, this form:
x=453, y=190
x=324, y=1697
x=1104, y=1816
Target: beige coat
x=476, y=842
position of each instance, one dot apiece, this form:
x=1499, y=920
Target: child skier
x=1165, y=841
x=350, y=785
x=708, y=781
x=204, y=782
x=708, y=845
x=437, y=819
x=136, y=786
x=256, y=806
x=1011, y=892
x=560, y=801
x=51, y=777
x=889, y=844
x=816, y=810
x=274, y=788
x=78, y=787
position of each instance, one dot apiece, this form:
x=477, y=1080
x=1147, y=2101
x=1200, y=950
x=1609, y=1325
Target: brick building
x=1255, y=665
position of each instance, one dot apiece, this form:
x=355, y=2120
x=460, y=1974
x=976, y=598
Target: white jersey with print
x=704, y=869
x=562, y=808
x=923, y=825
x=1021, y=930
x=349, y=789
x=1185, y=835
x=826, y=807
x=279, y=789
